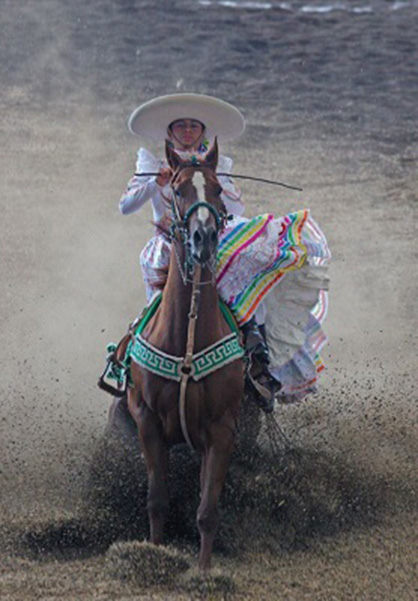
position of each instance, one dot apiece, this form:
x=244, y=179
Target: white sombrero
x=221, y=119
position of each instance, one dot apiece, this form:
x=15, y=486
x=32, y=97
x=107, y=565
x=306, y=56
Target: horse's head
x=198, y=211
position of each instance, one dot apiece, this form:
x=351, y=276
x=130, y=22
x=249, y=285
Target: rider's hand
x=163, y=177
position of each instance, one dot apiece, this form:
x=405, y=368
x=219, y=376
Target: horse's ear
x=211, y=159
x=172, y=157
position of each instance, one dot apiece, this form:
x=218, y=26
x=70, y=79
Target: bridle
x=180, y=231
x=191, y=273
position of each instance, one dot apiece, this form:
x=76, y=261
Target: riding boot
x=257, y=350
x=255, y=343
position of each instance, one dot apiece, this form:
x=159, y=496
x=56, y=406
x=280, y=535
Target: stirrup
x=265, y=388
x=114, y=378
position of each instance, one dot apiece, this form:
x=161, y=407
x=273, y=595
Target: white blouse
x=141, y=189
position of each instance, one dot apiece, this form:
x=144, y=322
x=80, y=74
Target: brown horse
x=212, y=404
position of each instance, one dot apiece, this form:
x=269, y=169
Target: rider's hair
x=171, y=124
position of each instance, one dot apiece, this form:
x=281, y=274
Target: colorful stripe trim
x=290, y=255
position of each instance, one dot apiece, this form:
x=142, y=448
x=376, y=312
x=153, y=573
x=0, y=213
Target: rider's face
x=186, y=134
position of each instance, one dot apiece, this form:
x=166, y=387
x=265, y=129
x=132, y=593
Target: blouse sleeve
x=231, y=194
x=140, y=189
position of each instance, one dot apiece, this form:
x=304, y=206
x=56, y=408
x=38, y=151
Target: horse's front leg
x=156, y=457
x=214, y=469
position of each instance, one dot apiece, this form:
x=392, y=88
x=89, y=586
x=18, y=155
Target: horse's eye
x=177, y=193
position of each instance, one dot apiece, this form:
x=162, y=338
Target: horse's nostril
x=214, y=237
x=197, y=238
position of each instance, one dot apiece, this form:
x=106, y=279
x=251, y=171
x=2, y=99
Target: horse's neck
x=175, y=307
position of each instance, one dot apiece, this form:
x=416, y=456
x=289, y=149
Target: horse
x=189, y=320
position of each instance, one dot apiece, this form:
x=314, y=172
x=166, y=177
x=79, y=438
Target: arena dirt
x=330, y=102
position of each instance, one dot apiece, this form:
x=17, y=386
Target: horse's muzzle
x=203, y=243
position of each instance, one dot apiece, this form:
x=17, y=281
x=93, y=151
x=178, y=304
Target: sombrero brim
x=221, y=119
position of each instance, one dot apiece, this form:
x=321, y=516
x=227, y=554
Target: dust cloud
x=330, y=101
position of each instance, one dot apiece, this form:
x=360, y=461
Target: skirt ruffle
x=154, y=261
x=280, y=263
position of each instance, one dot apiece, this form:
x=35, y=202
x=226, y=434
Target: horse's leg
x=156, y=457
x=202, y=472
x=215, y=464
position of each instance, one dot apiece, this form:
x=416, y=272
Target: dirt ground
x=330, y=99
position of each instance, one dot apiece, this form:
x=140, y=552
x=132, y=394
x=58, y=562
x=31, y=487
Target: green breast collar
x=205, y=362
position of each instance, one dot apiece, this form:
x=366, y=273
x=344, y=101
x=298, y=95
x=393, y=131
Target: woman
x=270, y=271
x=189, y=138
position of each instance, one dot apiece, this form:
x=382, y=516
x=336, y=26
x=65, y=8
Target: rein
x=181, y=224
x=261, y=179
x=188, y=359
x=249, y=177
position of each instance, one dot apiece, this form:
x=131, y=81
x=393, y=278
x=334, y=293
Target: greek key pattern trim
x=154, y=360
x=214, y=357
x=205, y=362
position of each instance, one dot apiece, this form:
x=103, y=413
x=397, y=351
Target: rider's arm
x=140, y=189
x=137, y=193
x=231, y=194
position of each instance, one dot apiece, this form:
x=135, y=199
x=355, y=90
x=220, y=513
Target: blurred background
x=329, y=92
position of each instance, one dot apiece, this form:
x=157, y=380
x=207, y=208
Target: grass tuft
x=215, y=585
x=144, y=563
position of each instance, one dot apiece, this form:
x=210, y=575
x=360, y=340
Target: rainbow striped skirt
x=276, y=269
